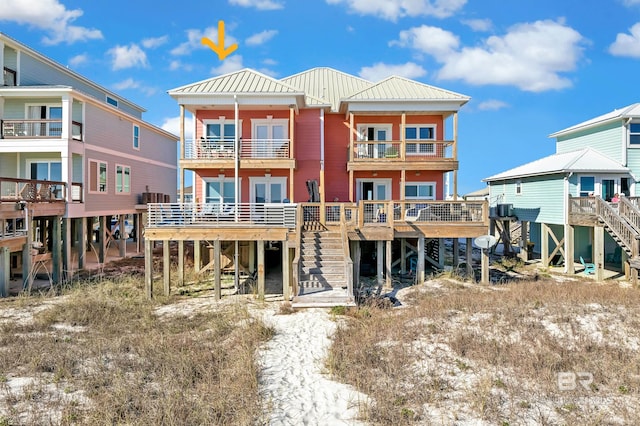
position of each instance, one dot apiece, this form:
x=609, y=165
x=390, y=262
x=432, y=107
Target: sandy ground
x=296, y=390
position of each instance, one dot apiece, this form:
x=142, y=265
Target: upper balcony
x=254, y=153
x=398, y=155
x=38, y=129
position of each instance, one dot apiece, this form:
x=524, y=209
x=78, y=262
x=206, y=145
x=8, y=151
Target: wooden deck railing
x=37, y=191
x=40, y=129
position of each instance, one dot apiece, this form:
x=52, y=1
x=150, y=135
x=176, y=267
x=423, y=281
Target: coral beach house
x=318, y=177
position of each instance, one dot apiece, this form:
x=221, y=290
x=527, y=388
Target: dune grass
x=494, y=354
x=100, y=354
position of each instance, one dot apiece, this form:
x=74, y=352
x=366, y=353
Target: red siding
x=306, y=151
x=336, y=177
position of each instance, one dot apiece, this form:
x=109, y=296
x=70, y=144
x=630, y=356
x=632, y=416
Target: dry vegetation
x=102, y=354
x=460, y=353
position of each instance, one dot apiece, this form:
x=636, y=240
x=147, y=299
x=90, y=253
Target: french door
x=268, y=189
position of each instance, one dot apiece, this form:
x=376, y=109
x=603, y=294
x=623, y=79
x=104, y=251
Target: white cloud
x=232, y=63
x=153, y=42
x=179, y=66
x=270, y=62
x=381, y=71
x=478, y=24
x=627, y=44
x=261, y=37
x=172, y=125
x=127, y=57
x=492, y=105
x=432, y=40
x=394, y=9
x=258, y=4
x=194, y=40
x=49, y=15
x=531, y=56
x=78, y=60
x=130, y=83
x=630, y=2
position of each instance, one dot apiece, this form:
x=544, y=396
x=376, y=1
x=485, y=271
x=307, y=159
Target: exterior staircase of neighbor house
x=322, y=277
x=622, y=222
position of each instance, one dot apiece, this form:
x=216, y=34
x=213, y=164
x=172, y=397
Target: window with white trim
x=123, y=179
x=420, y=190
x=136, y=137
x=112, y=101
x=219, y=190
x=587, y=186
x=376, y=135
x=97, y=176
x=518, y=187
x=414, y=133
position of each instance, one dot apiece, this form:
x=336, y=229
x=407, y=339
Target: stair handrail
x=348, y=264
x=630, y=212
x=625, y=232
x=296, y=258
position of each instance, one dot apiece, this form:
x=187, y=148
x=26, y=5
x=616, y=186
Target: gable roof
x=581, y=161
x=631, y=111
x=243, y=81
x=327, y=85
x=401, y=89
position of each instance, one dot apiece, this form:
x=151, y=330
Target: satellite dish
x=485, y=241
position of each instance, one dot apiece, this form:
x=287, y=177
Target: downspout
x=322, y=192
x=236, y=139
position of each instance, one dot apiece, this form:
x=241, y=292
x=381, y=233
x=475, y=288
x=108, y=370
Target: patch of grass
x=525, y=333
x=105, y=341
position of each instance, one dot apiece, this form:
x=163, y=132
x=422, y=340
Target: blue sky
x=531, y=67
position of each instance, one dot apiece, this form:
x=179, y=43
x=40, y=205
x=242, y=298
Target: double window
x=415, y=134
x=420, y=191
x=97, y=176
x=270, y=138
x=219, y=191
x=44, y=120
x=123, y=179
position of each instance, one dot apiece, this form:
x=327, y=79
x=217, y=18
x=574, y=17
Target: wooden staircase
x=322, y=275
x=623, y=224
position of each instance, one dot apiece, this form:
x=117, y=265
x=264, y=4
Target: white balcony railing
x=217, y=214
x=425, y=150
x=214, y=149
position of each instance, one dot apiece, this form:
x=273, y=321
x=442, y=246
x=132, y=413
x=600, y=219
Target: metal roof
x=631, y=111
x=397, y=88
x=582, y=161
x=326, y=85
x=242, y=81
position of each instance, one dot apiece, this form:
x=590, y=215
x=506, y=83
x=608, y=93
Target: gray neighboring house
x=563, y=201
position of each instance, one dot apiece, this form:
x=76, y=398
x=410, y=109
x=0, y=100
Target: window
x=46, y=120
x=587, y=186
x=634, y=134
x=136, y=137
x=420, y=191
x=9, y=77
x=97, y=176
x=112, y=101
x=219, y=191
x=123, y=179
x=270, y=138
x=420, y=133
x=518, y=187
x=45, y=170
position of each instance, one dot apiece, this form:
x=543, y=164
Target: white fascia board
x=400, y=106
x=34, y=92
x=228, y=99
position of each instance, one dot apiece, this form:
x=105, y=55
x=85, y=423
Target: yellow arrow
x=219, y=48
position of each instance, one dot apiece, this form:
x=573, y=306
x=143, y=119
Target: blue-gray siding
x=607, y=139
